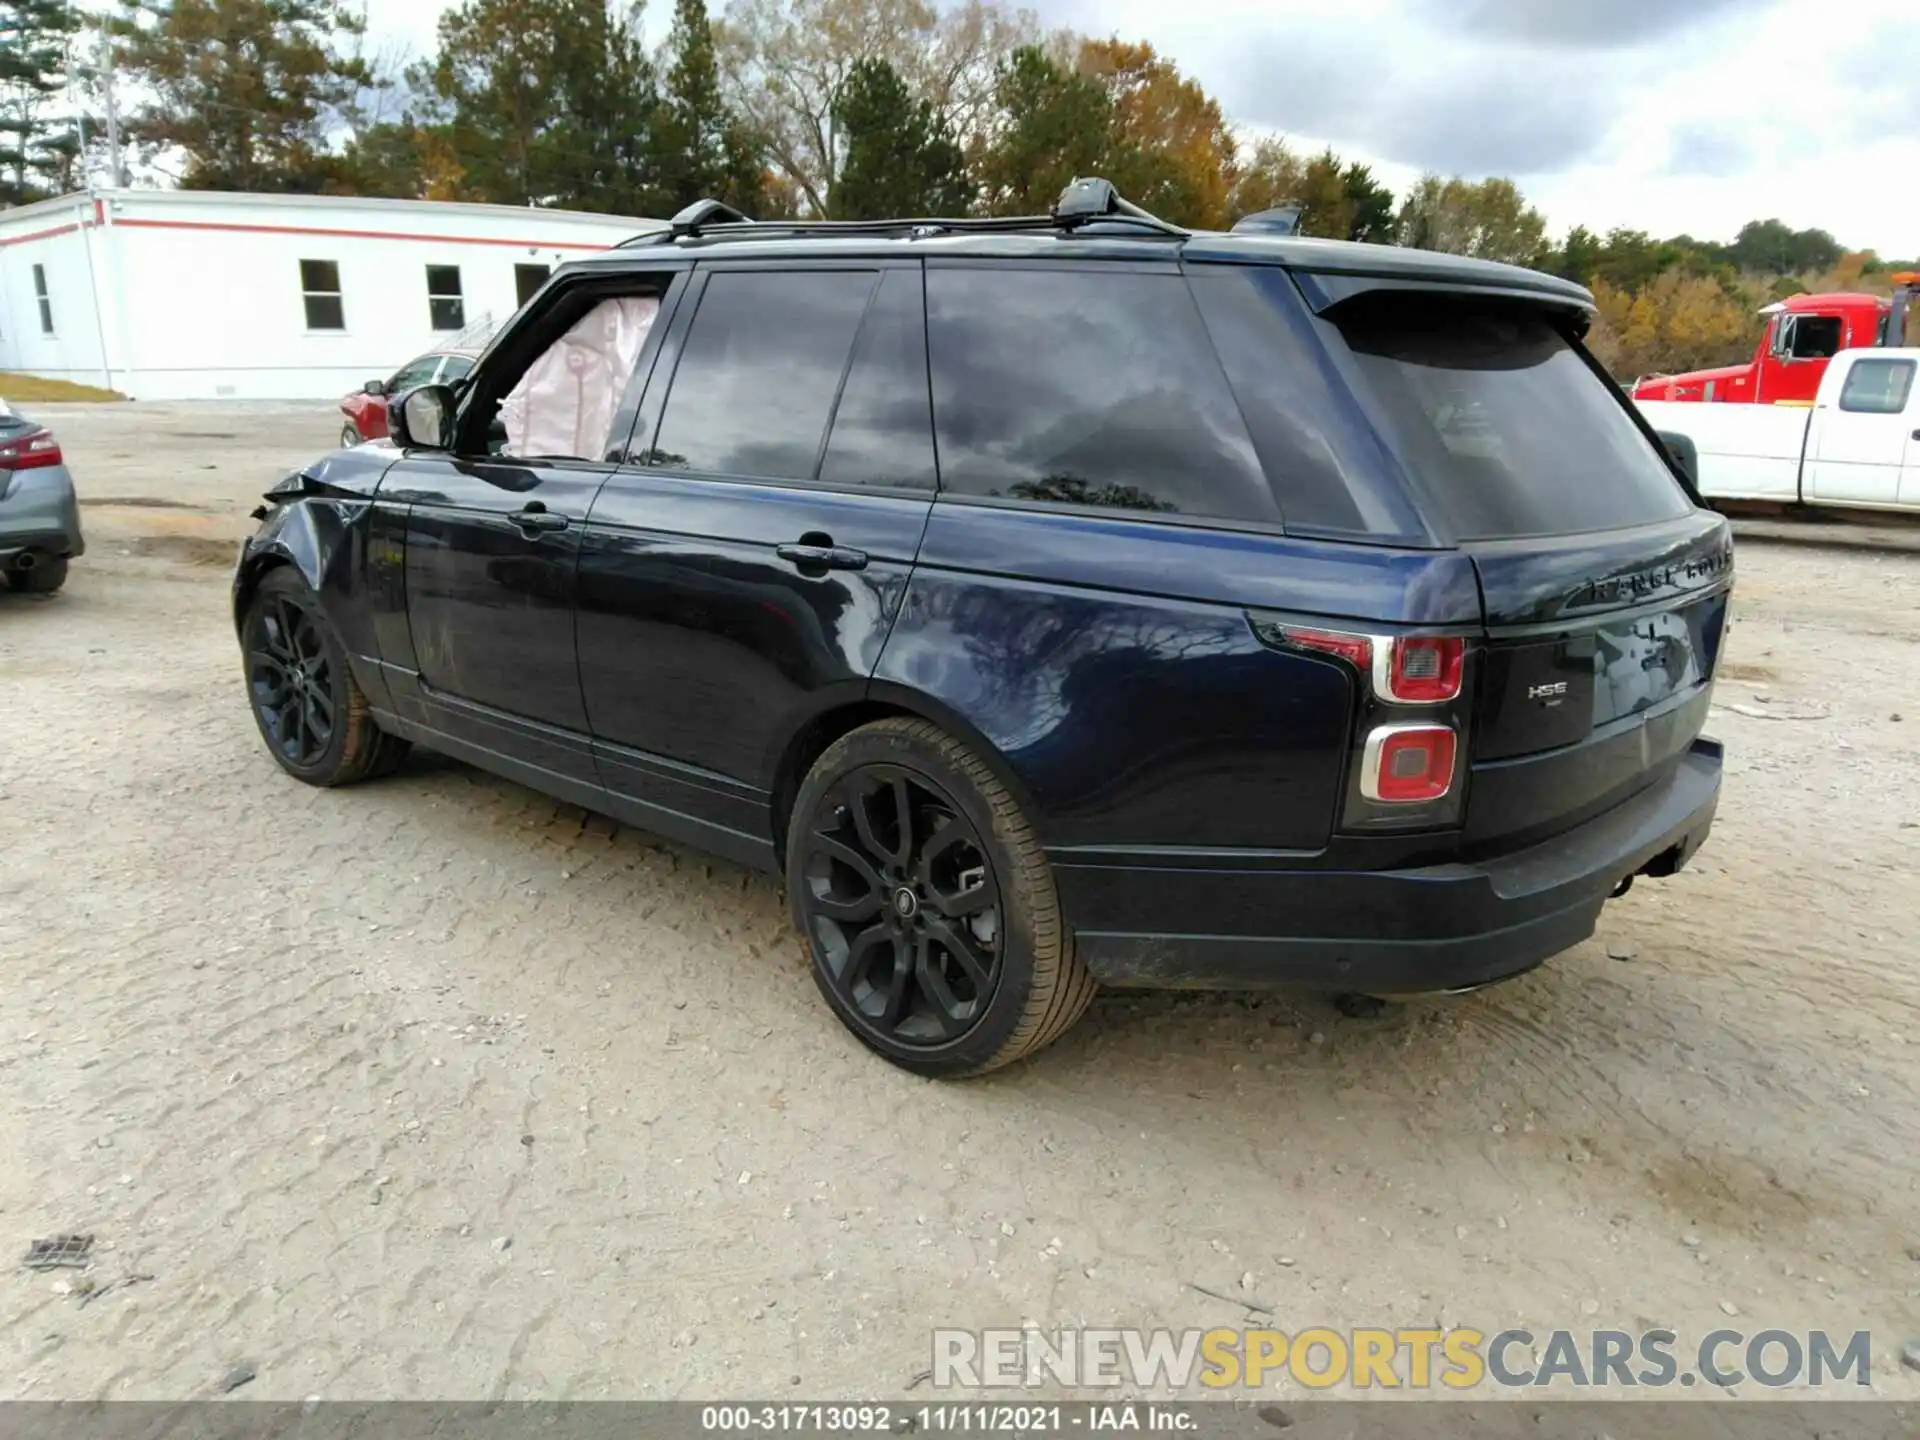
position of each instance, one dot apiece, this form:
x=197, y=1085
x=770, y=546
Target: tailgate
x=1603, y=588
x=1597, y=673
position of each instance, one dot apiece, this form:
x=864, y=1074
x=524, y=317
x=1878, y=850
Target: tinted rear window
x=1084, y=387
x=1501, y=422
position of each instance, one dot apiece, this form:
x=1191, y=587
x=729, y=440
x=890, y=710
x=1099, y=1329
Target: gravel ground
x=435, y=1088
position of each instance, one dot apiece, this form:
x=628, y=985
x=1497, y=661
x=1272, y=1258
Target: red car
x=366, y=408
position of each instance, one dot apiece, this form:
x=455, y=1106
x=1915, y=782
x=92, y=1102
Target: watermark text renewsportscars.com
x=1459, y=1358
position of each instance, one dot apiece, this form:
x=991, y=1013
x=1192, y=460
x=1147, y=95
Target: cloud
x=1582, y=23
x=1709, y=148
x=1431, y=103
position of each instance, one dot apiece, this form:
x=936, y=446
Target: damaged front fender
x=319, y=520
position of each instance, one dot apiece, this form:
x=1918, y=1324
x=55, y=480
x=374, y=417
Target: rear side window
x=759, y=372
x=1877, y=387
x=883, y=427
x=1086, y=388
x=1500, y=421
x=1321, y=455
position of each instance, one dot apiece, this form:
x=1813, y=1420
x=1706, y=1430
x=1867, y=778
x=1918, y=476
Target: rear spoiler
x=1324, y=291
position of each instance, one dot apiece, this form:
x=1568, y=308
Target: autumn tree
x=35, y=154
x=1267, y=178
x=247, y=89
x=1677, y=322
x=1169, y=149
x=1487, y=219
x=899, y=160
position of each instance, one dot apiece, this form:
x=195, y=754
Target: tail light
x=1420, y=669
x=1408, y=764
x=29, y=452
x=1406, y=767
x=1405, y=669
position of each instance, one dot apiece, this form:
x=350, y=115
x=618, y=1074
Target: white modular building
x=184, y=294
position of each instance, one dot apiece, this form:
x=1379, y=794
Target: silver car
x=39, y=515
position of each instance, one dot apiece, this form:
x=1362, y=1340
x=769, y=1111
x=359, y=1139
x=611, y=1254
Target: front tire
x=349, y=435
x=48, y=574
x=313, y=715
x=927, y=904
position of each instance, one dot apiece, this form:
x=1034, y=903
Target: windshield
x=1501, y=422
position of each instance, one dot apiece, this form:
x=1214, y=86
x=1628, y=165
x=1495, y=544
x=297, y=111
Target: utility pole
x=113, y=109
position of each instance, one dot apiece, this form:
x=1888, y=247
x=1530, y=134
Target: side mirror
x=423, y=420
x=1685, y=456
x=375, y=387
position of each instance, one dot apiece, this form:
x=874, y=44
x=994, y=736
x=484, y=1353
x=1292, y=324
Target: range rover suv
x=1053, y=602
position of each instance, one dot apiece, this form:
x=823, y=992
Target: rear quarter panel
x=1110, y=664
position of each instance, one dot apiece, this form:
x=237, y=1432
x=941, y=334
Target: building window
x=449, y=311
x=40, y=294
x=320, y=287
x=527, y=279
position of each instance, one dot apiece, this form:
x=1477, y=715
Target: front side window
x=320, y=289
x=563, y=406
x=1497, y=417
x=1877, y=387
x=455, y=367
x=445, y=304
x=1081, y=387
x=759, y=372
x=40, y=294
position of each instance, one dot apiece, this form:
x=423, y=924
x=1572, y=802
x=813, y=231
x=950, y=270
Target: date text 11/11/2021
x=959, y=1417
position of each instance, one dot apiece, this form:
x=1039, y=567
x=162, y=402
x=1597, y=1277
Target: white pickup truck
x=1857, y=445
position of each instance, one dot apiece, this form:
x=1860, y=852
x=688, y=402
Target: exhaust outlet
x=25, y=561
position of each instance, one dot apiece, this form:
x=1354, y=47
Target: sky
x=1669, y=116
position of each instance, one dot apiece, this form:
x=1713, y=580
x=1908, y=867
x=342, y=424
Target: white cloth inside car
x=564, y=404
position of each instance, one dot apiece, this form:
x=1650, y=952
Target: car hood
x=355, y=471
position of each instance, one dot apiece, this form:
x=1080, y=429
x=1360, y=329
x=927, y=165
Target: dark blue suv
x=1052, y=601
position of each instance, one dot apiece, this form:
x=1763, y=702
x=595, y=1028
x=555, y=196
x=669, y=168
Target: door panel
x=726, y=594
x=491, y=550
x=1856, y=457
x=1858, y=443
x=701, y=654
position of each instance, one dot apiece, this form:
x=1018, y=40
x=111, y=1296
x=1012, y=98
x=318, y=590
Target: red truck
x=1802, y=335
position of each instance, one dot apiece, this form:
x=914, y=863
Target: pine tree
x=1053, y=125
x=546, y=102
x=36, y=157
x=900, y=159
x=245, y=88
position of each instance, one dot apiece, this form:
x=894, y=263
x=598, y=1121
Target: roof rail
x=1091, y=201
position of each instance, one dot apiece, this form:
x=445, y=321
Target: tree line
x=848, y=109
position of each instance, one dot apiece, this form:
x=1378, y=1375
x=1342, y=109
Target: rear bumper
x=1442, y=927
x=39, y=513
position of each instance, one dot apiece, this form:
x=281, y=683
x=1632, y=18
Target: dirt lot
x=434, y=1088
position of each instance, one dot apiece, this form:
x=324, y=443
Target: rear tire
x=311, y=712
x=927, y=904
x=48, y=574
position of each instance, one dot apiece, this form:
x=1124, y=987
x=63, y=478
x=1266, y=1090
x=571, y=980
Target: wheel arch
x=883, y=700
x=293, y=535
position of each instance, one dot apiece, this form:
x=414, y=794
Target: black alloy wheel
x=291, y=681
x=904, y=907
